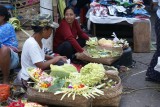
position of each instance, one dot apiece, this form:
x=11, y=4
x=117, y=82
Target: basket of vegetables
x=50, y=94
x=99, y=54
x=72, y=88
x=99, y=51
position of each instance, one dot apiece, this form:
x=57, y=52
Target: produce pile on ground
x=67, y=81
x=93, y=41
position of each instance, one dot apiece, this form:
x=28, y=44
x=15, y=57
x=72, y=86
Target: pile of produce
x=92, y=41
x=106, y=43
x=99, y=52
x=88, y=83
x=103, y=47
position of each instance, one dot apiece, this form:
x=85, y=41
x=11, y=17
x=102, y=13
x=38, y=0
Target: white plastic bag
x=157, y=67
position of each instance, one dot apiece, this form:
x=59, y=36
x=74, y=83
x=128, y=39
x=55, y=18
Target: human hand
x=81, y=55
x=63, y=58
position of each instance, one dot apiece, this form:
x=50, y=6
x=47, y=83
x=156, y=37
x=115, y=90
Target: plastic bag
x=157, y=67
x=4, y=92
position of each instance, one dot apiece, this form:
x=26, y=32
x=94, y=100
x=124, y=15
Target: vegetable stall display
x=70, y=88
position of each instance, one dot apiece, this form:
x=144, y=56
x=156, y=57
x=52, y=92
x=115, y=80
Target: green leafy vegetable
x=58, y=84
x=62, y=71
x=92, y=74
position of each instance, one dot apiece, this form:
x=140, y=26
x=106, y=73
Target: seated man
x=33, y=54
x=8, y=45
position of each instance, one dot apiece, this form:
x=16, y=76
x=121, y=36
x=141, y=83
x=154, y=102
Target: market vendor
x=8, y=45
x=69, y=37
x=33, y=50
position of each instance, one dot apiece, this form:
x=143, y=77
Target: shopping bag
x=157, y=67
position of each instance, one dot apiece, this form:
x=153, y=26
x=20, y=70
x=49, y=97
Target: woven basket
x=51, y=99
x=105, y=60
x=111, y=96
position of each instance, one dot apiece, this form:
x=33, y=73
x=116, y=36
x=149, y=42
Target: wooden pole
x=47, y=8
x=55, y=11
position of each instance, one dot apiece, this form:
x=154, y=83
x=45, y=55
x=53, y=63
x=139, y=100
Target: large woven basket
x=111, y=96
x=51, y=99
x=105, y=60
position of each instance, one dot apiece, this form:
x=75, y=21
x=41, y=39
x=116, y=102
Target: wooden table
x=141, y=35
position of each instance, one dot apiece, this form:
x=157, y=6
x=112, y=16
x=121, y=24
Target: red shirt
x=65, y=33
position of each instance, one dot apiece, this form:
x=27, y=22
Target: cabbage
x=92, y=74
x=62, y=71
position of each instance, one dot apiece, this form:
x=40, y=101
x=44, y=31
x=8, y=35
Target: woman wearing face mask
x=33, y=50
x=69, y=37
x=8, y=45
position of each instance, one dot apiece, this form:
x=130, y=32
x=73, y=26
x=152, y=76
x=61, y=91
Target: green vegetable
x=93, y=41
x=58, y=84
x=62, y=71
x=92, y=74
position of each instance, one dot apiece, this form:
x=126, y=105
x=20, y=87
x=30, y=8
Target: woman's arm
x=67, y=34
x=46, y=64
x=48, y=57
x=81, y=33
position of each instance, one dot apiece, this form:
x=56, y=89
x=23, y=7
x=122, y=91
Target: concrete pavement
x=141, y=93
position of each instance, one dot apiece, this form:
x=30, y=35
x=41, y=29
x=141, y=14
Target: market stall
x=129, y=13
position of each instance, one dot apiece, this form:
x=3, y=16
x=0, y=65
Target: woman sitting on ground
x=69, y=37
x=8, y=45
x=33, y=51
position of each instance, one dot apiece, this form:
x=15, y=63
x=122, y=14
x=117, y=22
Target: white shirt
x=158, y=11
x=31, y=54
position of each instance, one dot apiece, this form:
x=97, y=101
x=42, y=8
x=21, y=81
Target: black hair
x=39, y=29
x=4, y=12
x=67, y=8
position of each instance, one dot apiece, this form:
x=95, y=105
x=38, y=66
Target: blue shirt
x=8, y=35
